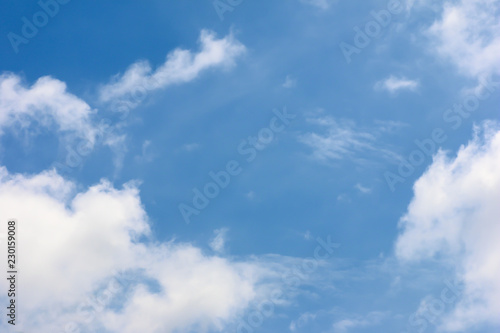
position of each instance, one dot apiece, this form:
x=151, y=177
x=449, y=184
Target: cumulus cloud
x=179, y=67
x=88, y=261
x=468, y=34
x=45, y=103
x=454, y=215
x=394, y=84
x=345, y=139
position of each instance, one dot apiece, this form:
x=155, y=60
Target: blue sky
x=371, y=125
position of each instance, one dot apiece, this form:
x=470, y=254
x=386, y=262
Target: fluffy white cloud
x=197, y=293
x=455, y=215
x=468, y=34
x=394, y=84
x=45, y=103
x=75, y=245
x=180, y=66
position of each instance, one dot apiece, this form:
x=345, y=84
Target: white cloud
x=363, y=189
x=46, y=103
x=290, y=82
x=72, y=244
x=146, y=155
x=394, y=84
x=344, y=139
x=219, y=241
x=179, y=67
x=344, y=198
x=191, y=146
x=454, y=215
x=468, y=34
x=302, y=320
x=321, y=4
x=371, y=319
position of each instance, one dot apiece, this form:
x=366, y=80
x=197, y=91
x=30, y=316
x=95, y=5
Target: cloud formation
x=454, y=215
x=345, y=139
x=321, y=4
x=468, y=34
x=394, y=84
x=46, y=103
x=101, y=235
x=179, y=67
x=218, y=243
x=347, y=324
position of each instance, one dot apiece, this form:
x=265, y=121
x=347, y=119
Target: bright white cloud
x=394, y=84
x=468, y=34
x=179, y=67
x=73, y=244
x=46, y=103
x=455, y=214
x=344, y=139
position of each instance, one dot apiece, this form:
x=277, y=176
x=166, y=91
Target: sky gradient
x=252, y=166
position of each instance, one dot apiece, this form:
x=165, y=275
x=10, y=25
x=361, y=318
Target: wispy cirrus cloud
x=362, y=189
x=218, y=243
x=393, y=84
x=344, y=139
x=290, y=82
x=321, y=4
x=179, y=67
x=302, y=320
x=343, y=322
x=356, y=321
